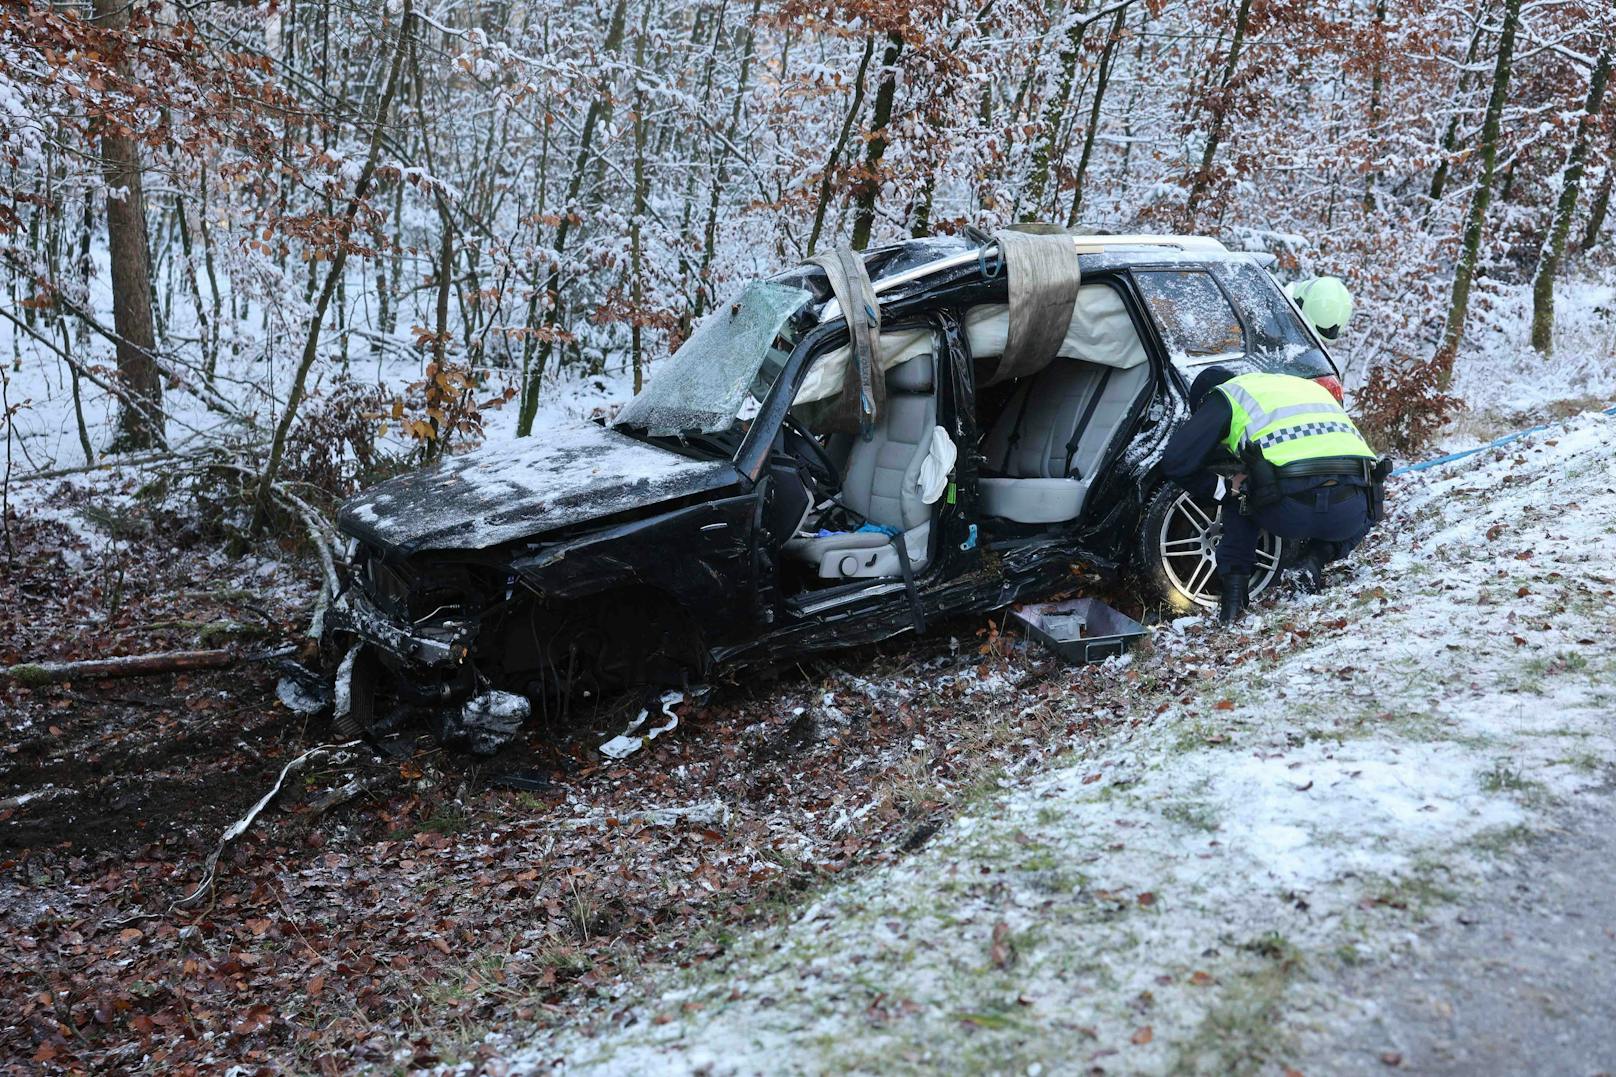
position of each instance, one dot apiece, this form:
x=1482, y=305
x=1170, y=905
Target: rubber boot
x=1236, y=593
x=1309, y=570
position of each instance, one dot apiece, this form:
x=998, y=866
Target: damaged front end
x=471, y=646
x=418, y=628
x=520, y=573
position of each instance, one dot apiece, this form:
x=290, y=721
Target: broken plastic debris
x=488, y=722
x=627, y=743
x=302, y=690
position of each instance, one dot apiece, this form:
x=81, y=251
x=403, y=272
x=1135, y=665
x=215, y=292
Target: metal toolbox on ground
x=1078, y=629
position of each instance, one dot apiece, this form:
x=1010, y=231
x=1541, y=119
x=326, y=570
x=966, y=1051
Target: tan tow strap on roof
x=1044, y=278
x=864, y=384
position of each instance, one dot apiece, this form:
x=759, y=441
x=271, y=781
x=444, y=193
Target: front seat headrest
x=914, y=376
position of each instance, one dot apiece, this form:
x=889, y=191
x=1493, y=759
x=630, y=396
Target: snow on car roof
x=1156, y=247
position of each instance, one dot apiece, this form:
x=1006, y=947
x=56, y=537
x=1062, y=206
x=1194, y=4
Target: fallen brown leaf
x=1002, y=951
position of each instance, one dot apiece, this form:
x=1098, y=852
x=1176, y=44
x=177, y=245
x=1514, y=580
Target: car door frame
x=1033, y=555
x=879, y=607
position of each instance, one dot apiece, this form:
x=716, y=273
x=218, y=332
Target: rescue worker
x=1305, y=473
x=1324, y=302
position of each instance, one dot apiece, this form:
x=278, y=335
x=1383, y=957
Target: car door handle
x=713, y=527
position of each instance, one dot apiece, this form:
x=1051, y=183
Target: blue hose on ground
x=1494, y=444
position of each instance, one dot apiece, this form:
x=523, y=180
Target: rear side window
x=1196, y=322
x=1277, y=340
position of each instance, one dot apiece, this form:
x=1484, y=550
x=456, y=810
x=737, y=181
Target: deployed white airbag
x=824, y=378
x=937, y=466
x=1100, y=330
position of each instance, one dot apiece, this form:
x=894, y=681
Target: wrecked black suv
x=992, y=421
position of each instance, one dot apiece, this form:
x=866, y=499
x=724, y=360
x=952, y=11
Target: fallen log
x=710, y=813
x=33, y=674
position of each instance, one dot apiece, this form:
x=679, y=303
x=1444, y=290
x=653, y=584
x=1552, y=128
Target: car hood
x=566, y=475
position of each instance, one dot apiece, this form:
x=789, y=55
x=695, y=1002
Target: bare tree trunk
x=395, y=263
x=920, y=223
x=709, y=245
x=83, y=269
x=1055, y=109
x=869, y=185
x=532, y=377
x=191, y=280
x=1450, y=135
x=211, y=356
x=1476, y=219
x=140, y=414
x=1377, y=88
x=1135, y=85
x=636, y=245
x=1548, y=264
x=1024, y=103
x=1220, y=109
x=339, y=259
x=530, y=323
x=440, y=331
x=1102, y=79
x=827, y=182
x=1601, y=201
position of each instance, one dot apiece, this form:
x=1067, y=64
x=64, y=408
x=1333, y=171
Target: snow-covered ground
x=1187, y=893
x=1506, y=385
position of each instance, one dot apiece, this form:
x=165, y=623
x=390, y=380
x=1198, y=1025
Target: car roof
x=896, y=265
x=905, y=262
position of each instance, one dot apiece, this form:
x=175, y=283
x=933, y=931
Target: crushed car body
x=788, y=484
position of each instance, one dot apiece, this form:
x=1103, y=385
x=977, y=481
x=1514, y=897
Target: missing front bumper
x=444, y=645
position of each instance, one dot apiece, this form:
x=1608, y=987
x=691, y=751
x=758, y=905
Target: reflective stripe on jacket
x=1288, y=419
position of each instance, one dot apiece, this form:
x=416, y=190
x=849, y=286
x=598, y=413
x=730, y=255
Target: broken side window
x=1278, y=340
x=1196, y=321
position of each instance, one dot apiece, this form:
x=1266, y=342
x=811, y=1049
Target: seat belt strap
x=1015, y=431
x=1083, y=423
x=901, y=541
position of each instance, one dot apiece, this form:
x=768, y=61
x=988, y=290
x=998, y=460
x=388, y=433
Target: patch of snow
x=501, y=492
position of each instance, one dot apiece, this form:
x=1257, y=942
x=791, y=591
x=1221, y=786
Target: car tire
x=1174, y=559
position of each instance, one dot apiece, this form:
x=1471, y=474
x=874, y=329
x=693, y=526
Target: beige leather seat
x=881, y=483
x=1050, y=438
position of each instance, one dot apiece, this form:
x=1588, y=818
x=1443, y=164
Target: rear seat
x=1046, y=443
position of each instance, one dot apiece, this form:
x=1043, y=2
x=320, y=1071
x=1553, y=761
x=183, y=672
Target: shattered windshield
x=733, y=356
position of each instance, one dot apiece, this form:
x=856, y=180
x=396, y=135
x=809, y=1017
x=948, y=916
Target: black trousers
x=1334, y=526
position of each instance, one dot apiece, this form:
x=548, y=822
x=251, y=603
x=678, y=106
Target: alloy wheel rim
x=1187, y=544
